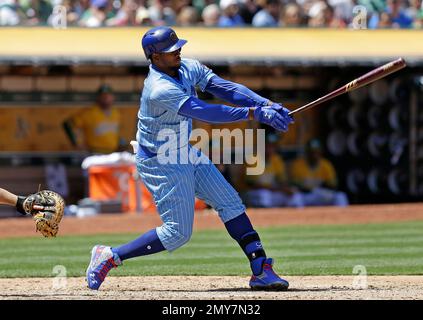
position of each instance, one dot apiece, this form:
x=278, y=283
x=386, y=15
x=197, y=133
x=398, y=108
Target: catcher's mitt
x=47, y=208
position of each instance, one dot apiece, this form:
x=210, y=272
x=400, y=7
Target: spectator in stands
x=43, y=10
x=418, y=21
x=72, y=15
x=96, y=129
x=385, y=21
x=125, y=16
x=372, y=6
x=230, y=14
x=9, y=13
x=398, y=16
x=414, y=9
x=269, y=15
x=248, y=9
x=161, y=13
x=271, y=189
x=343, y=9
x=188, y=16
x=334, y=19
x=305, y=4
x=316, y=178
x=34, y=12
x=201, y=4
x=96, y=14
x=211, y=15
x=79, y=7
x=322, y=15
x=142, y=16
x=179, y=5
x=317, y=16
x=292, y=16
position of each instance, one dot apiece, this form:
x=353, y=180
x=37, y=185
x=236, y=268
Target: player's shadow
x=289, y=290
x=248, y=290
x=318, y=289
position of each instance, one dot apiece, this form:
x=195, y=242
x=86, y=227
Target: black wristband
x=19, y=205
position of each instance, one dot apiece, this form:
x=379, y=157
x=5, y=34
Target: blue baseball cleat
x=102, y=261
x=268, y=279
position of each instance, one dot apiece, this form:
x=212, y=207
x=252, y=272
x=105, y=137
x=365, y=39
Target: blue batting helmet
x=161, y=39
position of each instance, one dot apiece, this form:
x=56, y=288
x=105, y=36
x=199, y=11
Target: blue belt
x=144, y=153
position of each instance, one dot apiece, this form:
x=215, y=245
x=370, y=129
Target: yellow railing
x=220, y=44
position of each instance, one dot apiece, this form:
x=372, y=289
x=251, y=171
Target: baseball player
x=169, y=102
x=46, y=208
x=316, y=177
x=99, y=125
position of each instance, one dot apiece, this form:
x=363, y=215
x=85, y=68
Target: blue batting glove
x=284, y=112
x=275, y=116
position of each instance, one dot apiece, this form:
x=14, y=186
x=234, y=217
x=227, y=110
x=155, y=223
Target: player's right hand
x=274, y=115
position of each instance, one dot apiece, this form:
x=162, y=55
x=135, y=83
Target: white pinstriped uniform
x=174, y=186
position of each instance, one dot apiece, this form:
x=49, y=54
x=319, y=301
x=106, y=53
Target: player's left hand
x=274, y=115
x=284, y=112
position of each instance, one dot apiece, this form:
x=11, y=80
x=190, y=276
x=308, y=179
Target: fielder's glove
x=274, y=115
x=46, y=207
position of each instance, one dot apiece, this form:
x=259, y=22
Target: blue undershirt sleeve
x=234, y=93
x=212, y=113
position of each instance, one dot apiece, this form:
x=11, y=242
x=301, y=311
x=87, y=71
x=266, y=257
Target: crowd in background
x=216, y=13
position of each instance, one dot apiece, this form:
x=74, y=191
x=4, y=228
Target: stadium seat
x=84, y=83
x=4, y=69
x=51, y=84
x=98, y=69
x=253, y=82
x=283, y=82
x=120, y=83
x=16, y=83
x=307, y=83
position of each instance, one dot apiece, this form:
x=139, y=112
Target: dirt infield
x=216, y=288
x=208, y=219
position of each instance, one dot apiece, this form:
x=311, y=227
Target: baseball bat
x=365, y=79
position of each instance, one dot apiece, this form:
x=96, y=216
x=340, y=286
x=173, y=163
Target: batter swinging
x=168, y=104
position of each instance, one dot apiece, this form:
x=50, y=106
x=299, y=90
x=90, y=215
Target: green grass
x=394, y=248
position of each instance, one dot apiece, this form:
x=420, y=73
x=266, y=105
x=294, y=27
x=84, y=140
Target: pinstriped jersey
x=161, y=98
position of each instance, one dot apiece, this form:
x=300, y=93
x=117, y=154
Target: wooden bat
x=366, y=79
